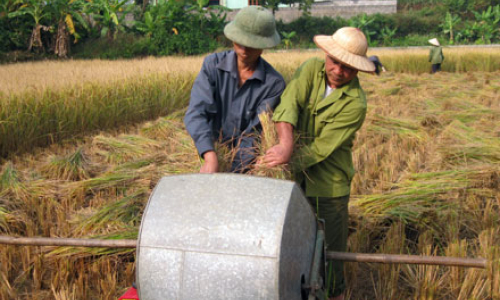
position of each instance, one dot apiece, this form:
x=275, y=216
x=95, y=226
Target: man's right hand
x=277, y=155
x=281, y=153
x=211, y=164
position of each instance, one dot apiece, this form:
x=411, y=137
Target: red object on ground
x=130, y=294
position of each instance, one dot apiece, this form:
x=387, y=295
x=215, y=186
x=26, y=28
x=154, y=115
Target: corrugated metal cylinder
x=224, y=236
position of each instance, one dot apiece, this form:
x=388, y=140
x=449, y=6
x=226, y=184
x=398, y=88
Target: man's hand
x=211, y=164
x=281, y=153
x=277, y=155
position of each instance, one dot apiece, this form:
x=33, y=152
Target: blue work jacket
x=218, y=108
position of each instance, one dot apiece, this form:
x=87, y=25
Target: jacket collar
x=228, y=64
x=350, y=89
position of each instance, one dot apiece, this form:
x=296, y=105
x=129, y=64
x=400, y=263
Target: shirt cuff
x=204, y=146
x=288, y=117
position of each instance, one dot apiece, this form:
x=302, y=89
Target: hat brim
x=246, y=39
x=358, y=62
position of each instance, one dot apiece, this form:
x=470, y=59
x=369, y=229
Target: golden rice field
x=427, y=160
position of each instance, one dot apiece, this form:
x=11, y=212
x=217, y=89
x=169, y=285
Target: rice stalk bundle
x=75, y=253
x=225, y=155
x=146, y=166
x=124, y=213
x=427, y=282
x=11, y=183
x=116, y=150
x=466, y=112
x=163, y=127
x=465, y=145
x=489, y=248
x=268, y=139
x=388, y=276
x=4, y=214
x=108, y=180
x=71, y=167
x=110, y=183
x=387, y=126
x=421, y=199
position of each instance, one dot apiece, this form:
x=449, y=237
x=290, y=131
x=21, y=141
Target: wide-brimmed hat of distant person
x=434, y=42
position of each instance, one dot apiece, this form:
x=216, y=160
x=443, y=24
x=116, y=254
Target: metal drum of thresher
x=225, y=236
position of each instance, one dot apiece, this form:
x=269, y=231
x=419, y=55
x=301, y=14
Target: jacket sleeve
x=296, y=95
x=337, y=130
x=267, y=104
x=202, y=108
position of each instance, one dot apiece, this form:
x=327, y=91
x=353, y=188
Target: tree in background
x=387, y=34
x=449, y=24
x=38, y=11
x=287, y=39
x=487, y=24
x=14, y=32
x=65, y=13
x=143, y=4
x=109, y=16
x=363, y=22
x=458, y=6
x=187, y=27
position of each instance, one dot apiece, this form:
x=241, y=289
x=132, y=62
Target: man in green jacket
x=436, y=56
x=325, y=104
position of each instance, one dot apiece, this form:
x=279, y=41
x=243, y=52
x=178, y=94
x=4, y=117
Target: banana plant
x=13, y=31
x=9, y=6
x=449, y=24
x=363, y=23
x=66, y=13
x=487, y=23
x=148, y=25
x=38, y=11
x=201, y=4
x=154, y=19
x=287, y=38
x=109, y=16
x=387, y=34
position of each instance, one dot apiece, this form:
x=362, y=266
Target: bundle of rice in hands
x=267, y=139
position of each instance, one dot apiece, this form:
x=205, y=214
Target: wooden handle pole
x=344, y=256
x=408, y=259
x=40, y=241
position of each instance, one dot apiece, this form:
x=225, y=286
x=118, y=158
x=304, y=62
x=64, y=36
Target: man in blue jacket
x=233, y=88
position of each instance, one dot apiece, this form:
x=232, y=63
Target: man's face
x=247, y=54
x=338, y=74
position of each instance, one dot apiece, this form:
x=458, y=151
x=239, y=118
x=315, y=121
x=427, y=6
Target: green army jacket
x=436, y=55
x=326, y=126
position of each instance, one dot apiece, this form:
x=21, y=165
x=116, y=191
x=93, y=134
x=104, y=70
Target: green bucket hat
x=254, y=27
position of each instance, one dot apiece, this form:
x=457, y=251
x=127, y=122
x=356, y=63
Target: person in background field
x=378, y=65
x=324, y=102
x=232, y=88
x=436, y=56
